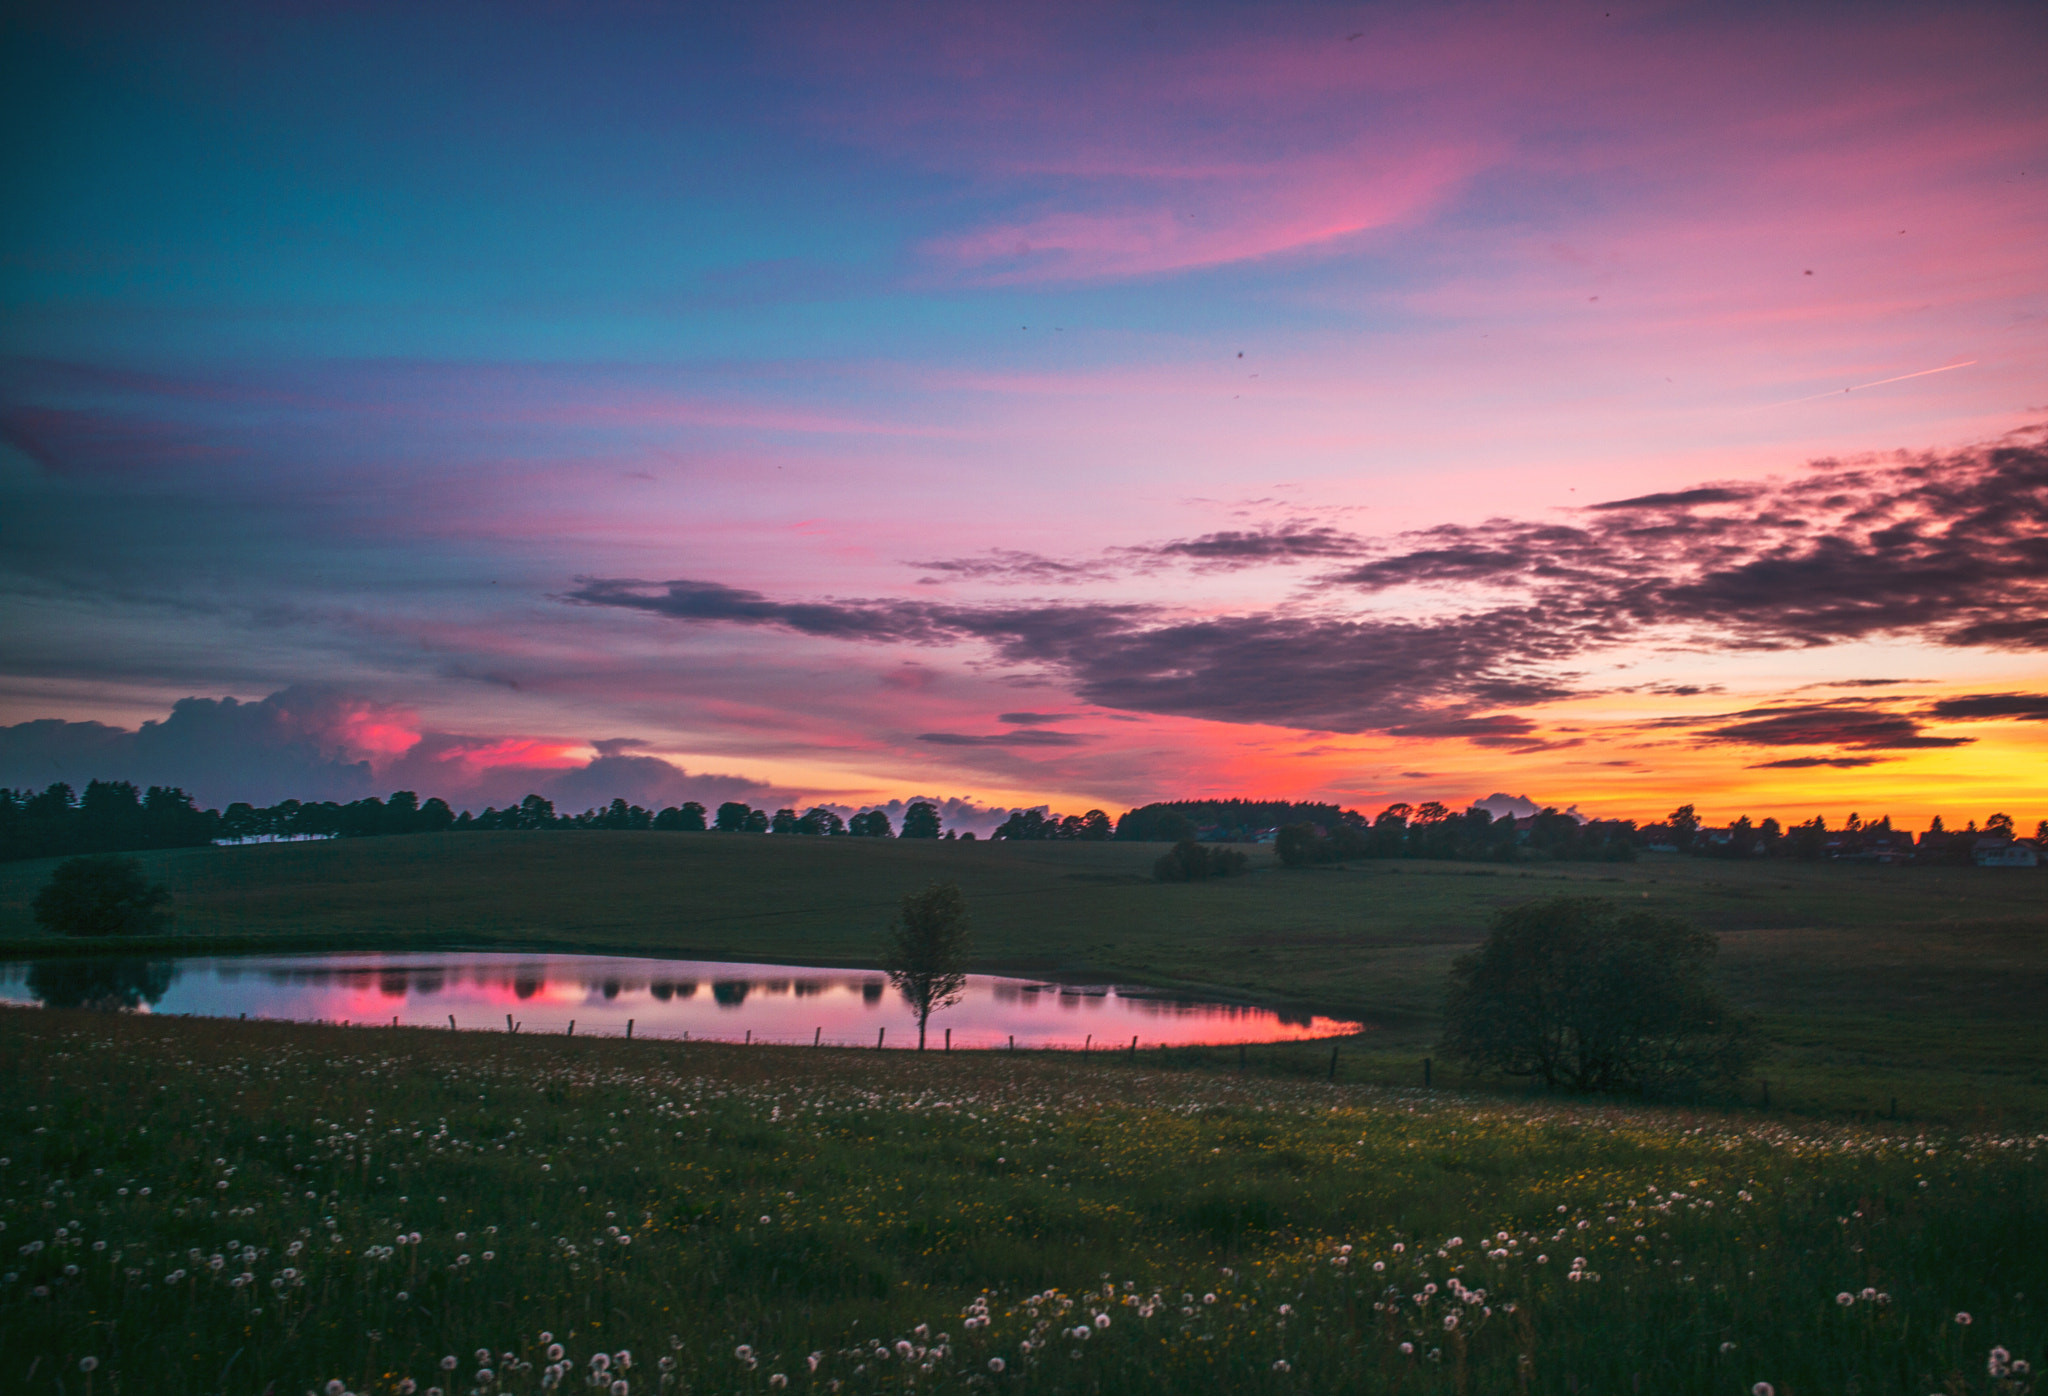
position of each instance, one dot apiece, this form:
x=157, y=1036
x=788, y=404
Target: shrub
x=1193, y=862
x=104, y=895
x=1578, y=993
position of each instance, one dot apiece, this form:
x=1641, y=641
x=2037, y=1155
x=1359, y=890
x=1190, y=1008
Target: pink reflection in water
x=674, y=998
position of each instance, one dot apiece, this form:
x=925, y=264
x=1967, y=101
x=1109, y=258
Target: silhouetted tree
x=1580, y=994
x=874, y=824
x=926, y=949
x=820, y=821
x=732, y=817
x=784, y=822
x=1193, y=862
x=920, y=821
x=688, y=818
x=101, y=895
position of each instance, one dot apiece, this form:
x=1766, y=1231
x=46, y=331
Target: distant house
x=2005, y=853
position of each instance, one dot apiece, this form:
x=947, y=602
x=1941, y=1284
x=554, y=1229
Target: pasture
x=232, y=1209
x=1920, y=985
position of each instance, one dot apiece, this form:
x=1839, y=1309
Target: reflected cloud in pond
x=600, y=993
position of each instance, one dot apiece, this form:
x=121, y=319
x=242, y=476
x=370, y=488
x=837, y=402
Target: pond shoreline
x=214, y=946
x=553, y=990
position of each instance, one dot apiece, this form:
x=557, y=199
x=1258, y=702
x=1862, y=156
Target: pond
x=607, y=995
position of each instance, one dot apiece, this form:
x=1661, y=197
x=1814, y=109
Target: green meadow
x=1923, y=986
x=197, y=1208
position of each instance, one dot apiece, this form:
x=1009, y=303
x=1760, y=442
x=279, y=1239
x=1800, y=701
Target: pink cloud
x=1213, y=219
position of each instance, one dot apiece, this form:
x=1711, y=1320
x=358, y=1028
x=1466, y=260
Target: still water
x=602, y=994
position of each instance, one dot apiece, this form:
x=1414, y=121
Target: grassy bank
x=253, y=1208
x=1920, y=984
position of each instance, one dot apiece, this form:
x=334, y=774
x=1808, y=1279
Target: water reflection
x=659, y=998
x=119, y=985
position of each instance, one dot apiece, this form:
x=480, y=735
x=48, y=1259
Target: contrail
x=1789, y=402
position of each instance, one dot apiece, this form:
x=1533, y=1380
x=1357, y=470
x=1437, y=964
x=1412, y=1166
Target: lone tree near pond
x=1578, y=993
x=925, y=950
x=106, y=895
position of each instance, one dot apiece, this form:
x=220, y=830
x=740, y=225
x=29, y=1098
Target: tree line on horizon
x=117, y=816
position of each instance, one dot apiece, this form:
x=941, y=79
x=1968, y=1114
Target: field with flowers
x=265, y=1209
x=1922, y=985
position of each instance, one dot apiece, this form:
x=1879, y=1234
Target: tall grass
x=199, y=1207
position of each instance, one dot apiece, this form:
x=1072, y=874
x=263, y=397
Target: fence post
x=629, y=1030
x=817, y=1037
x=1134, y=1048
x=1333, y=1063
x=1087, y=1042
x=508, y=1022
x=572, y=1027
x=451, y=1022
x=880, y=1033
x=1013, y=1042
x=949, y=1039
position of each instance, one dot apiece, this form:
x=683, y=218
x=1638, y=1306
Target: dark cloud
x=1803, y=763
x=1012, y=565
x=1682, y=499
x=641, y=780
x=302, y=743
x=1027, y=738
x=1247, y=548
x=712, y=601
x=1828, y=724
x=618, y=746
x=1438, y=565
x=1225, y=551
x=2029, y=707
x=1497, y=730
x=1950, y=549
x=1033, y=719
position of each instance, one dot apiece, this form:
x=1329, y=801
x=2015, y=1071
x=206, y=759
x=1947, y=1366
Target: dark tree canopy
x=1193, y=862
x=1578, y=993
x=926, y=949
x=1221, y=821
x=104, y=895
x=920, y=821
x=874, y=824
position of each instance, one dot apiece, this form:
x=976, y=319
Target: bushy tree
x=874, y=824
x=920, y=821
x=732, y=817
x=1194, y=862
x=103, y=895
x=925, y=951
x=1578, y=993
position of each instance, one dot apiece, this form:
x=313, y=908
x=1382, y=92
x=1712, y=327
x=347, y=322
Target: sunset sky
x=1619, y=404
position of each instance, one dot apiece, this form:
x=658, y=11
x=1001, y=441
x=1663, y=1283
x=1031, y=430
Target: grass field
x=265, y=1209
x=1922, y=984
